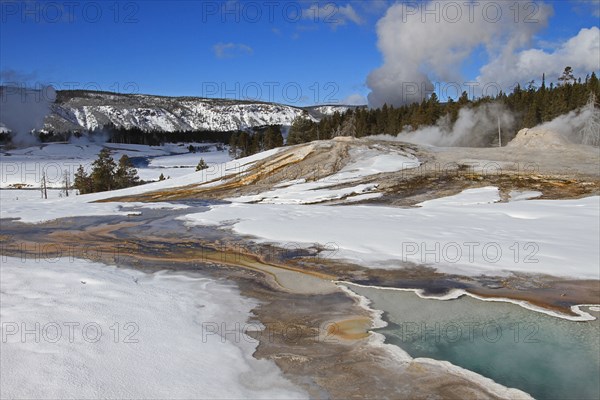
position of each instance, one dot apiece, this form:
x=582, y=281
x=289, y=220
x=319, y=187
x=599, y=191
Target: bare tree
x=43, y=187
x=66, y=183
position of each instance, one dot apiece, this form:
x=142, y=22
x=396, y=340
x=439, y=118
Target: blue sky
x=195, y=49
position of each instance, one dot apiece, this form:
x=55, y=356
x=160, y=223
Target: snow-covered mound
x=539, y=139
x=362, y=163
x=343, y=169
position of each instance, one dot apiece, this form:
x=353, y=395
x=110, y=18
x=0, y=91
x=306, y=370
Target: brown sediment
x=352, y=328
x=431, y=185
x=549, y=292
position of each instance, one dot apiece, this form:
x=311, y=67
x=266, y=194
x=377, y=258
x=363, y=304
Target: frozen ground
x=25, y=166
x=469, y=233
x=96, y=331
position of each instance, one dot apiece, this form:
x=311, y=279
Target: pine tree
x=532, y=118
x=125, y=174
x=256, y=144
x=161, y=177
x=82, y=181
x=103, y=170
x=301, y=131
x=434, y=110
x=567, y=76
x=233, y=145
x=463, y=99
x=201, y=165
x=273, y=137
x=243, y=144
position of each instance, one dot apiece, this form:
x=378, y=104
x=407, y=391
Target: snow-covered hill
x=86, y=110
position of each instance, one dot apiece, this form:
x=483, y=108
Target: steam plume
x=23, y=110
x=475, y=127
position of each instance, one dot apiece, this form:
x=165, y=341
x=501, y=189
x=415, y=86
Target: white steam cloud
x=474, y=127
x=23, y=110
x=580, y=126
x=429, y=42
x=478, y=127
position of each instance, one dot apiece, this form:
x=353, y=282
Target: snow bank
x=148, y=335
x=468, y=233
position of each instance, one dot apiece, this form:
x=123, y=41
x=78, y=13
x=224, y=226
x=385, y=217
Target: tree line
x=531, y=106
x=243, y=144
x=106, y=174
x=135, y=135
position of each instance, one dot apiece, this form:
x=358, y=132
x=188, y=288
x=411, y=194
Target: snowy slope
x=86, y=110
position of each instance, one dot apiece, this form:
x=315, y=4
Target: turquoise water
x=547, y=357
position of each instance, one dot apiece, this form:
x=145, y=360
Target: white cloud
x=581, y=52
x=422, y=42
x=231, y=50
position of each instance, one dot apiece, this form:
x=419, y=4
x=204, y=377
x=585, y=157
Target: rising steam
x=578, y=126
x=23, y=110
x=425, y=45
x=474, y=127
